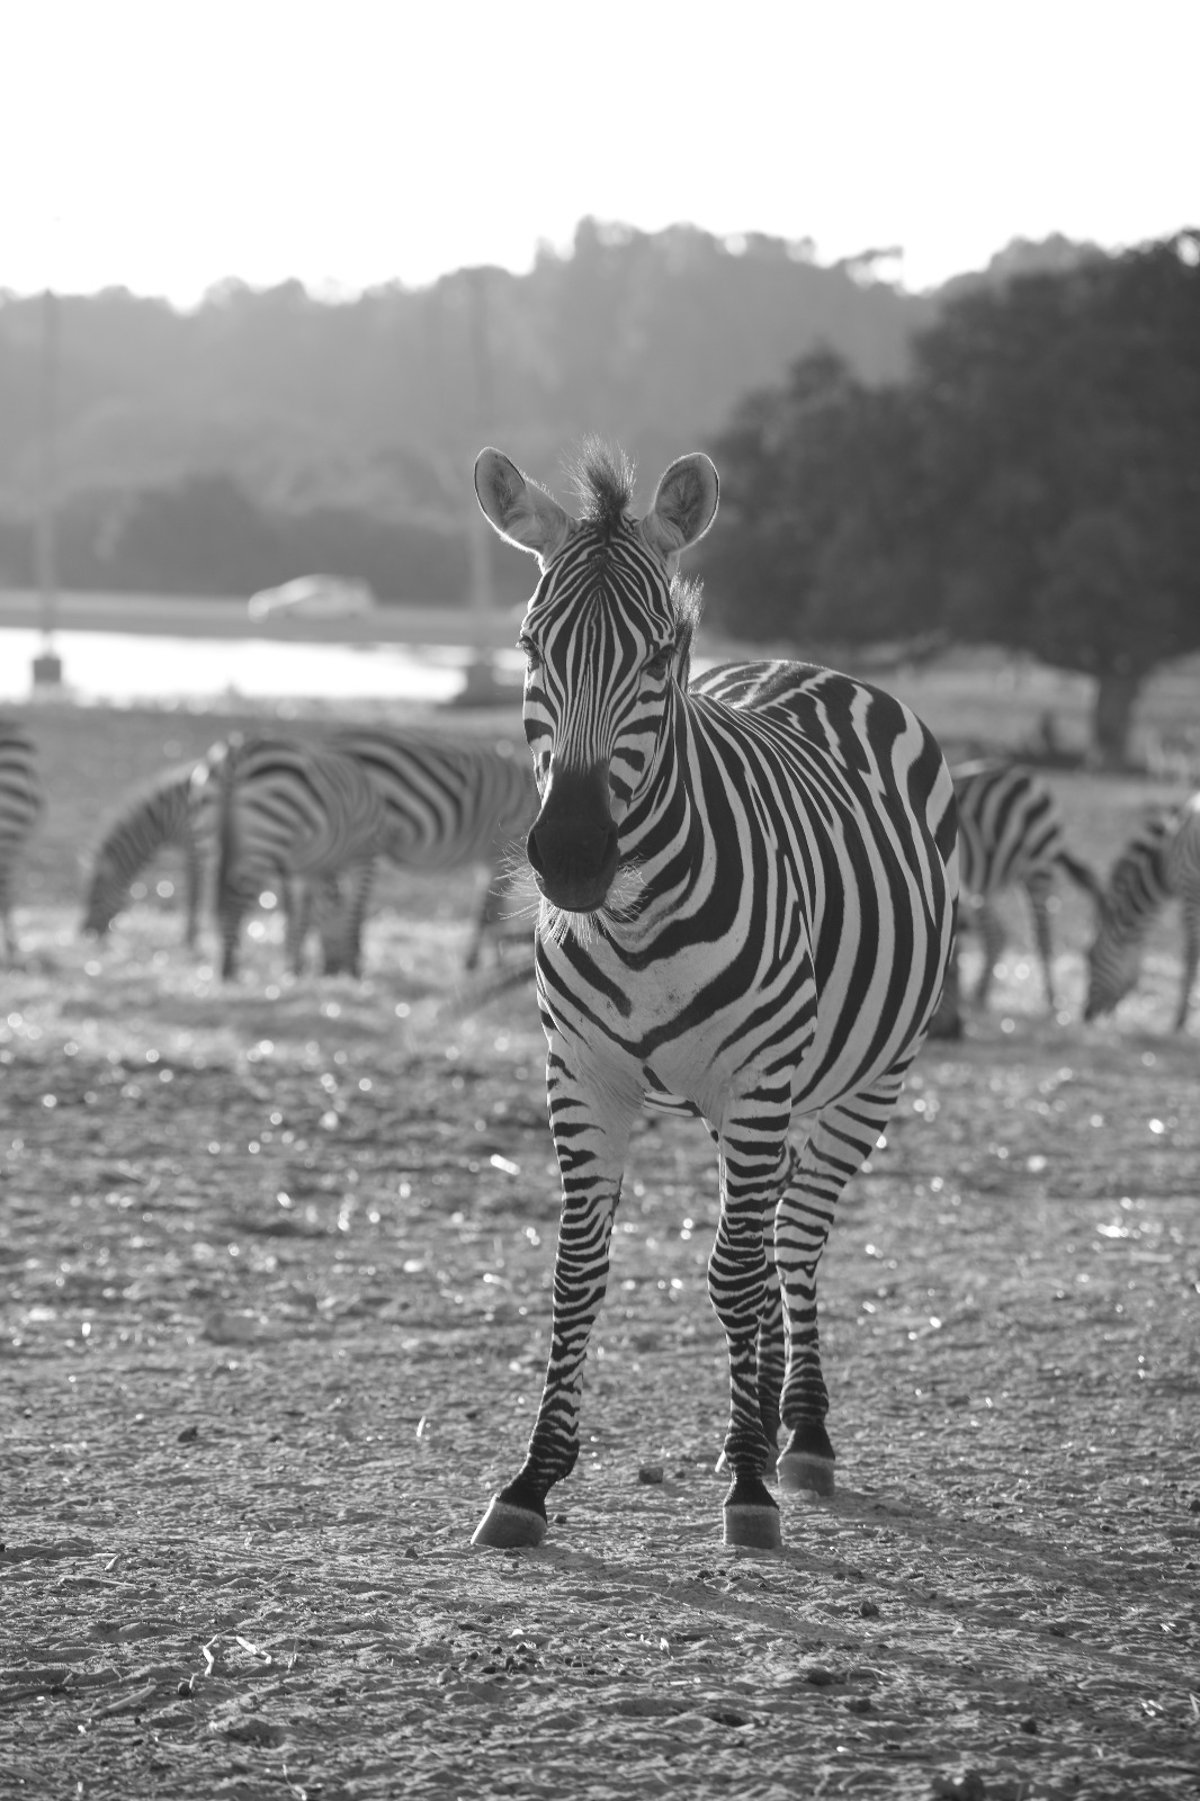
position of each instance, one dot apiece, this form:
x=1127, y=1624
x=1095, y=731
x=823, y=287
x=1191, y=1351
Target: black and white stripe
x=748, y=891
x=450, y=804
x=159, y=816
x=21, y=804
x=1011, y=834
x=1160, y=863
x=284, y=811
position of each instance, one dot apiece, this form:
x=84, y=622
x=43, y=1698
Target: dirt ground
x=275, y=1272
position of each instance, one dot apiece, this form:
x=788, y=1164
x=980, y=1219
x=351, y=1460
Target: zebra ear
x=519, y=510
x=685, y=505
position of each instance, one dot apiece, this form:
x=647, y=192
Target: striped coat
x=748, y=887
x=21, y=806
x=1160, y=863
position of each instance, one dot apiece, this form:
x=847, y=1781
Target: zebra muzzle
x=572, y=844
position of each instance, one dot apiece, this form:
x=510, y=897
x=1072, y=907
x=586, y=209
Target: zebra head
x=606, y=639
x=108, y=891
x=1124, y=909
x=1114, y=963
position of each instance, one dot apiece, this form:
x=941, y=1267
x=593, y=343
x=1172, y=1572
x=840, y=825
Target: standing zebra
x=280, y=809
x=1160, y=862
x=157, y=817
x=1010, y=834
x=20, y=808
x=449, y=805
x=748, y=889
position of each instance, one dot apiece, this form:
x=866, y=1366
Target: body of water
x=126, y=667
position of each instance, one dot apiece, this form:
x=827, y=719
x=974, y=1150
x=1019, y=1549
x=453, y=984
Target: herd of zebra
x=310, y=820
x=750, y=881
x=306, y=819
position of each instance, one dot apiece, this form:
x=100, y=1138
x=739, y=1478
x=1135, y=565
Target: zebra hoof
x=799, y=1471
x=755, y=1528
x=504, y=1526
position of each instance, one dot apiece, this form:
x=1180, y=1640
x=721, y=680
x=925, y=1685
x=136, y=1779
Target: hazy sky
x=165, y=145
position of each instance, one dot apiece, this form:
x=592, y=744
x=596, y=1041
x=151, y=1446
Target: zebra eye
x=658, y=664
x=529, y=651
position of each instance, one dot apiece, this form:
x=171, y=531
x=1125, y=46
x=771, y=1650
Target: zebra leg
x=1191, y=958
x=843, y=1136
x=193, y=887
x=1038, y=888
x=772, y=1342
x=992, y=933
x=485, y=922
x=744, y=1291
x=362, y=879
x=297, y=896
x=591, y=1156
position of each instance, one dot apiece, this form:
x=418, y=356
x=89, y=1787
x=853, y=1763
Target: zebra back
x=155, y=818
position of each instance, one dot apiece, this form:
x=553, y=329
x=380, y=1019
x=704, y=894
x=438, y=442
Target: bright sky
x=165, y=144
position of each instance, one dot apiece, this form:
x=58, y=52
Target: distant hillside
x=266, y=433
x=381, y=402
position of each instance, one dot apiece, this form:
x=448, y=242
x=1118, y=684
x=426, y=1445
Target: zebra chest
x=660, y=1021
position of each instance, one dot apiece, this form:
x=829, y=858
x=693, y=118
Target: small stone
x=859, y=1704
x=1030, y=1725
x=650, y=1472
x=869, y=1610
x=188, y=1436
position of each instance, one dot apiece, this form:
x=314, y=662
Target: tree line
x=1033, y=481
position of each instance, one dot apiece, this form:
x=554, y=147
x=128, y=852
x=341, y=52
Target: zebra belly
x=635, y=1031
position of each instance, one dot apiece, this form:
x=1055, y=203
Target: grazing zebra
x=1010, y=834
x=280, y=809
x=748, y=887
x=20, y=808
x=1161, y=862
x=449, y=805
x=159, y=816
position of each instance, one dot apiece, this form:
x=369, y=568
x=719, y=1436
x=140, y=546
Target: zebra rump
x=21, y=805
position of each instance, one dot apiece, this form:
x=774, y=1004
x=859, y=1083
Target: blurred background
x=923, y=282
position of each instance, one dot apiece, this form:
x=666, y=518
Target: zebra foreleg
x=1039, y=890
x=843, y=1137
x=741, y=1285
x=1191, y=958
x=992, y=934
x=591, y=1159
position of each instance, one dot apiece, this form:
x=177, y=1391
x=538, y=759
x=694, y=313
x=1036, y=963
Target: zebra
x=1160, y=862
x=449, y=805
x=159, y=815
x=279, y=809
x=748, y=885
x=21, y=806
x=1010, y=834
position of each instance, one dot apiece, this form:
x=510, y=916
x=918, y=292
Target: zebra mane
x=604, y=477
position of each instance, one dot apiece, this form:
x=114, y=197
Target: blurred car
x=313, y=597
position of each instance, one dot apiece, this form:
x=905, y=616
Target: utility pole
x=47, y=665
x=481, y=688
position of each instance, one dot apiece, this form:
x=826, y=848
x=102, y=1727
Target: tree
x=820, y=512
x=1035, y=482
x=1061, y=423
